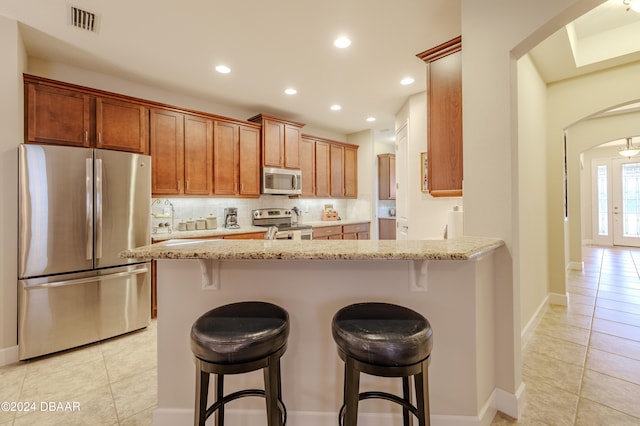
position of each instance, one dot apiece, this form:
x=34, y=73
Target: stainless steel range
x=282, y=220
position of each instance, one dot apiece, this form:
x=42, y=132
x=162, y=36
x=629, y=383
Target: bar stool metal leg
x=219, y=381
x=422, y=394
x=407, y=419
x=272, y=391
x=352, y=390
x=202, y=390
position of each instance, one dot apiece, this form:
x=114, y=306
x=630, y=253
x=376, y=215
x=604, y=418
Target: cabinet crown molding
x=447, y=48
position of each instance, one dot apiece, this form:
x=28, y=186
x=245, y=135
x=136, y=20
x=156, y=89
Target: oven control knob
x=257, y=213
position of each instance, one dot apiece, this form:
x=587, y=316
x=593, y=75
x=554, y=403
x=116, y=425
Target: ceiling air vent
x=83, y=19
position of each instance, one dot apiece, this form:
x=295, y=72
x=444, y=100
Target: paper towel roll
x=454, y=224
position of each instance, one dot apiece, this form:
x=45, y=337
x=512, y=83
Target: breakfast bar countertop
x=465, y=248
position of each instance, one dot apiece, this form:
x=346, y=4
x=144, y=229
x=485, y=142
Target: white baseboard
x=576, y=266
x=9, y=355
x=525, y=334
x=559, y=299
x=178, y=417
x=508, y=403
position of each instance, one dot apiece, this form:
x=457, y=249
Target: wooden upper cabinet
x=350, y=171
x=280, y=141
x=64, y=114
x=332, y=168
x=307, y=166
x=336, y=181
x=236, y=160
x=121, y=125
x=292, y=135
x=167, y=152
x=198, y=153
x=323, y=169
x=56, y=115
x=444, y=118
x=386, y=177
x=225, y=158
x=249, y=167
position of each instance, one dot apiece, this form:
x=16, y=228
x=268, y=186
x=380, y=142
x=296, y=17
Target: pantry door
x=625, y=180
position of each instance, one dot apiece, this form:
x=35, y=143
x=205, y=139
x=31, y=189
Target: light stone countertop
x=465, y=248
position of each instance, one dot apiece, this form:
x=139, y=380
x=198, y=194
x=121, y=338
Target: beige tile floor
x=114, y=383
x=581, y=364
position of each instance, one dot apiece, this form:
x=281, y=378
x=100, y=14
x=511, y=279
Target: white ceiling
x=269, y=45
x=288, y=43
x=607, y=36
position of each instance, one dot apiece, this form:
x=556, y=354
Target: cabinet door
x=273, y=143
x=291, y=146
x=444, y=143
x=225, y=158
x=198, y=153
x=350, y=172
x=249, y=161
x=122, y=126
x=323, y=169
x=336, y=153
x=307, y=167
x=57, y=116
x=386, y=229
x=167, y=152
x=386, y=177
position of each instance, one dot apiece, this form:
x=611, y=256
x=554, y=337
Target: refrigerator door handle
x=98, y=208
x=87, y=279
x=89, y=206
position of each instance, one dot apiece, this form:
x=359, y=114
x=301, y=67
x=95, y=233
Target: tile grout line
x=586, y=354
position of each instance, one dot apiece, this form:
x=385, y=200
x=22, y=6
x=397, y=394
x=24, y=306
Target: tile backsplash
x=186, y=208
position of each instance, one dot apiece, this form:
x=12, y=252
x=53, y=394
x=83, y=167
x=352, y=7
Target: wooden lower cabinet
x=251, y=236
x=386, y=229
x=357, y=231
x=327, y=233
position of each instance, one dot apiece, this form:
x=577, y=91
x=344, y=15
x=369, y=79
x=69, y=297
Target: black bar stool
x=385, y=340
x=234, y=339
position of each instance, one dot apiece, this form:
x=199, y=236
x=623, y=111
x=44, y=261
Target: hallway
x=581, y=365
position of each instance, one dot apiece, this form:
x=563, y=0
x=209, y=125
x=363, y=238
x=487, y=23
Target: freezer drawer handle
x=88, y=279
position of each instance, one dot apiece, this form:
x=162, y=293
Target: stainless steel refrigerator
x=78, y=209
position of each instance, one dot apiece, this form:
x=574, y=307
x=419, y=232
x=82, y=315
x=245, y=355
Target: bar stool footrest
x=239, y=394
x=380, y=395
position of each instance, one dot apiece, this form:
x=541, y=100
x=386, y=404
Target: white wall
x=490, y=128
x=531, y=220
x=11, y=133
x=427, y=215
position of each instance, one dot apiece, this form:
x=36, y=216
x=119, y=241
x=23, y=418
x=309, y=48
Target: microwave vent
x=83, y=19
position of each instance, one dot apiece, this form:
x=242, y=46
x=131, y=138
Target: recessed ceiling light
x=290, y=91
x=407, y=80
x=336, y=107
x=342, y=42
x=223, y=69
x=370, y=119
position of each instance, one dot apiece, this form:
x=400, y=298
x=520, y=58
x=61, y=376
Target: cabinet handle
x=179, y=185
x=86, y=136
x=100, y=138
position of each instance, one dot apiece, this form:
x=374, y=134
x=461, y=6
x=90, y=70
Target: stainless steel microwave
x=281, y=181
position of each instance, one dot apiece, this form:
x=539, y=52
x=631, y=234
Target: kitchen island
x=451, y=282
